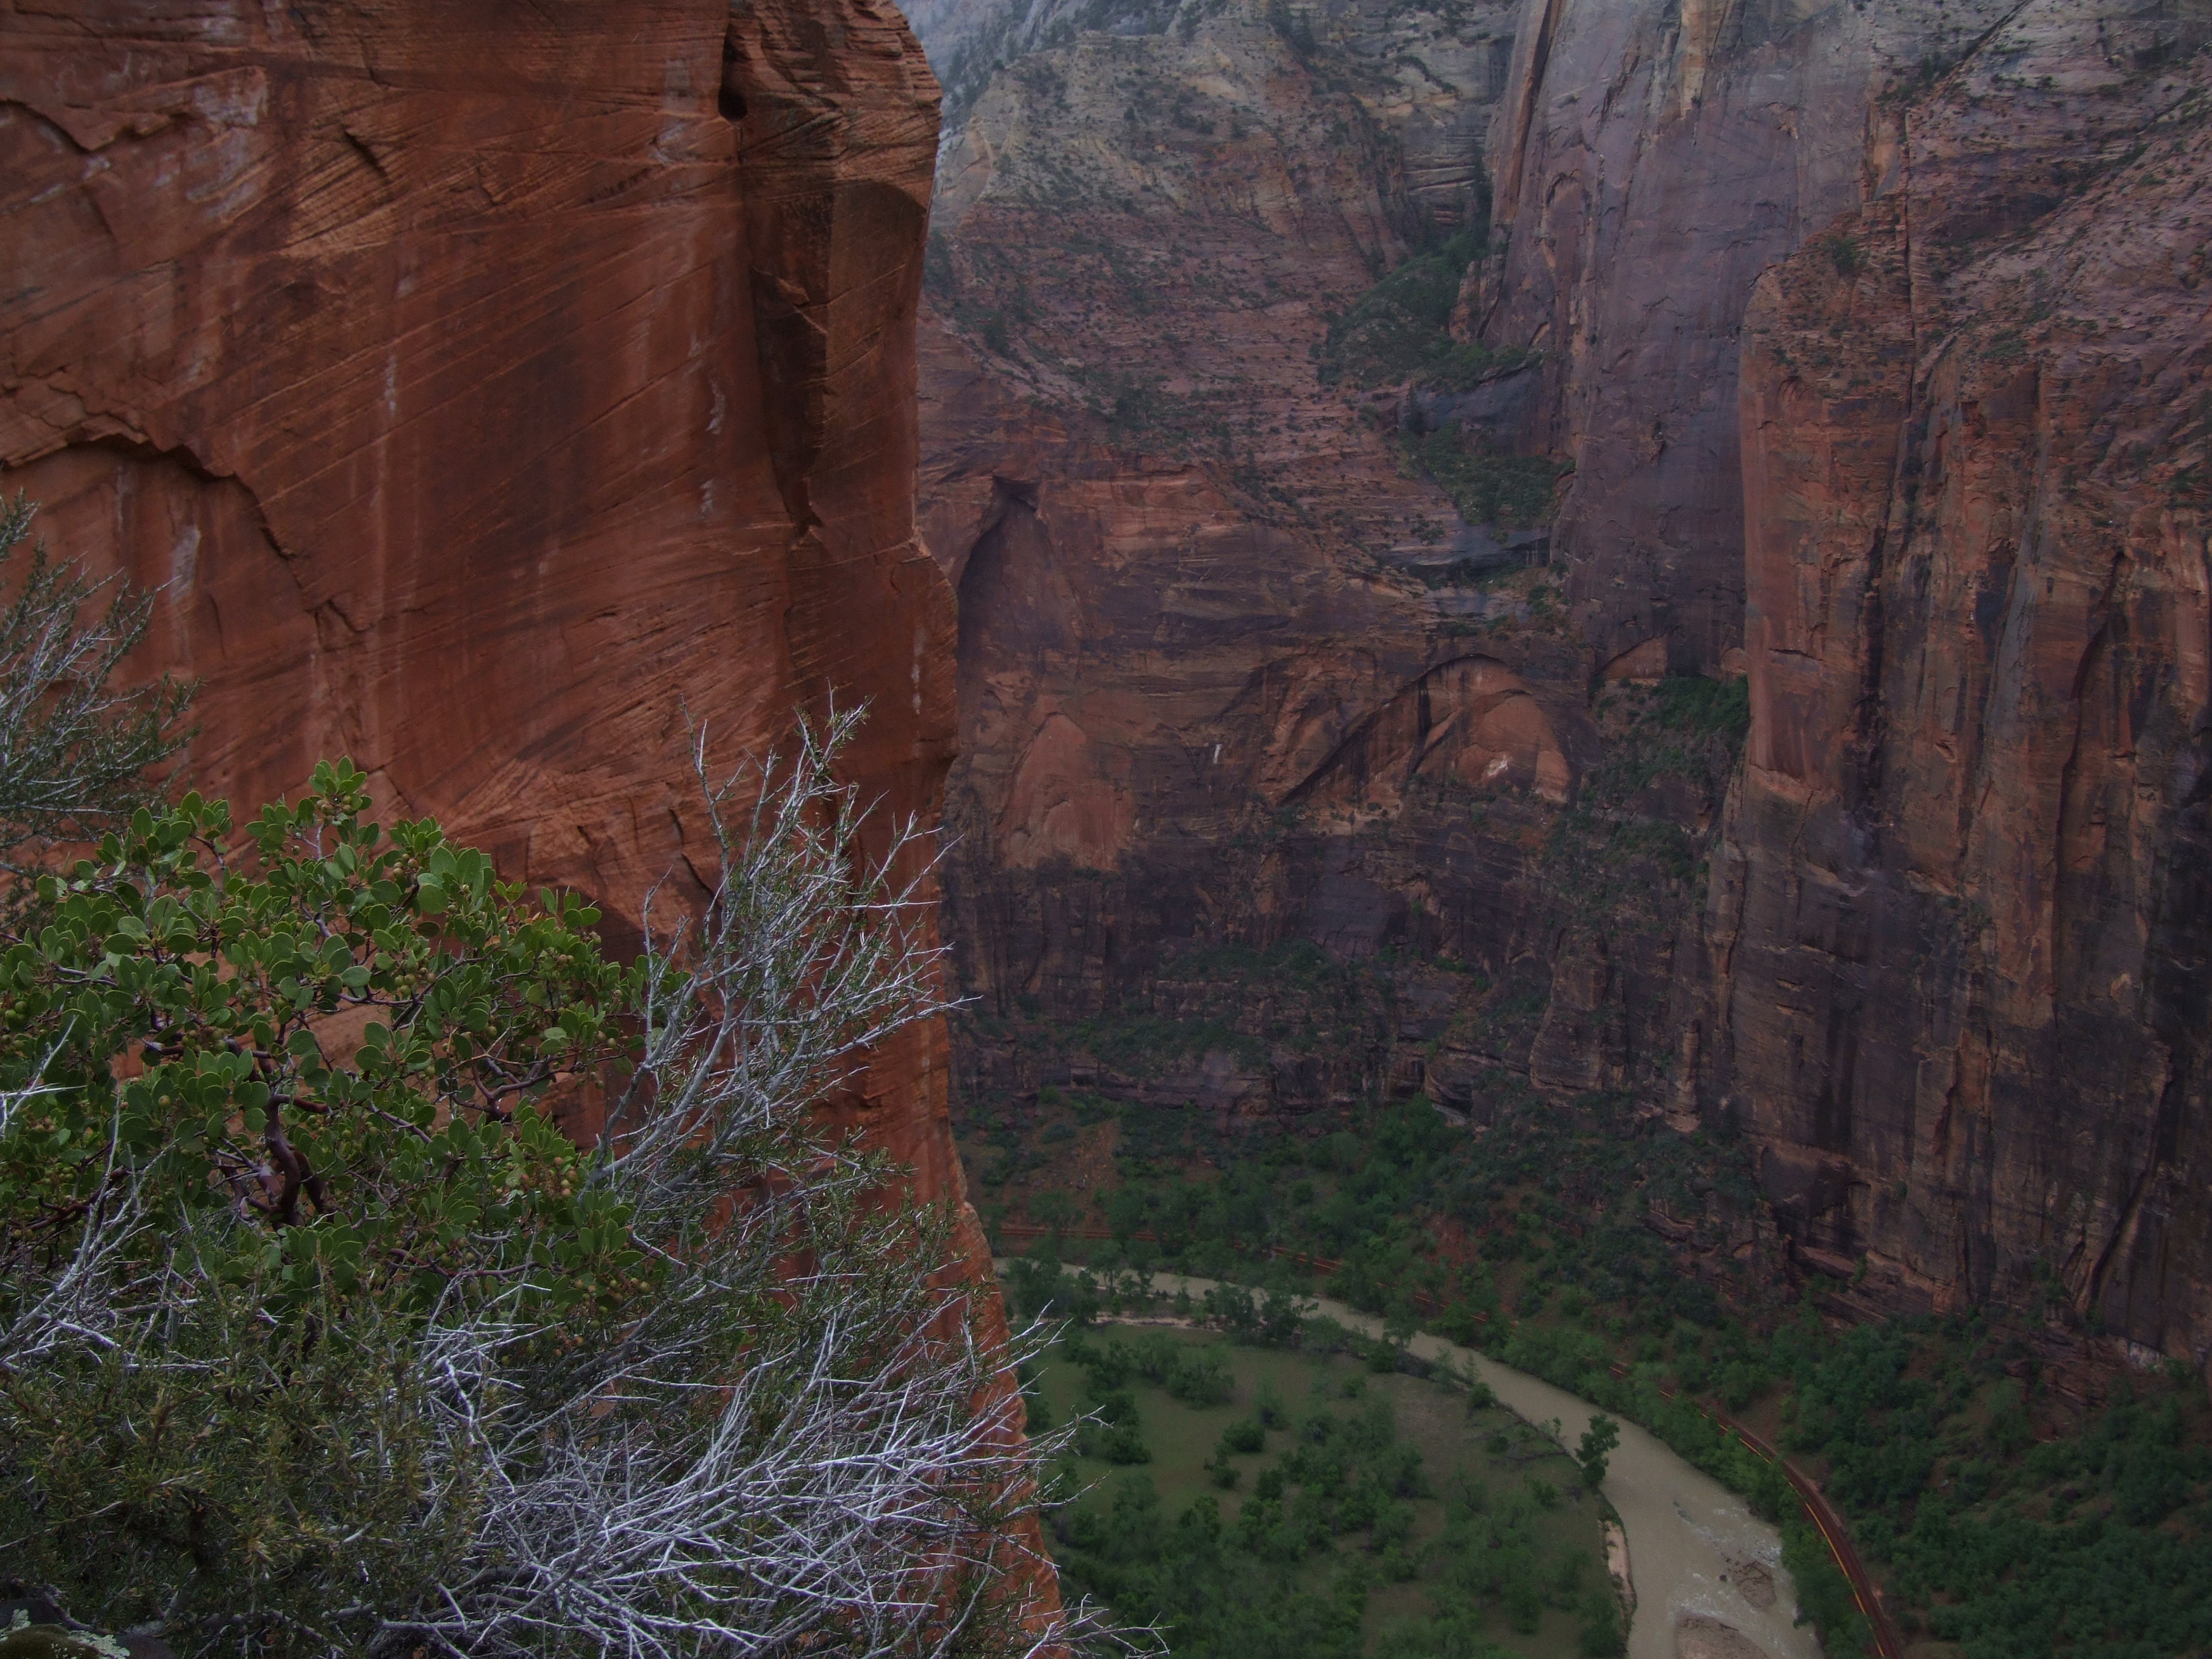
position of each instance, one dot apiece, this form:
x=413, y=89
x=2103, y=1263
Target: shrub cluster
x=1488, y=485
x=385, y=1269
x=1329, y=1518
x=1399, y=332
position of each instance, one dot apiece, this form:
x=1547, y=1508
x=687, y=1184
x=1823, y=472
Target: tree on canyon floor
x=318, y=1335
x=2005, y=1515
x=1598, y=1442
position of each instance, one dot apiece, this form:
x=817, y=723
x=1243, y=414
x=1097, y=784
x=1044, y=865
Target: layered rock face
x=1942, y=496
x=1161, y=525
x=1961, y=926
x=1432, y=75
x=1216, y=690
x=1652, y=161
x=1116, y=384
x=495, y=394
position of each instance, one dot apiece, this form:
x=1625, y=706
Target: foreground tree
x=318, y=1335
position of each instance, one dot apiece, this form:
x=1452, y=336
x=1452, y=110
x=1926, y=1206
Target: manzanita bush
x=345, y=1039
x=321, y=1332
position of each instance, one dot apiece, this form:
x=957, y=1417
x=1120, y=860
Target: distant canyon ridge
x=1869, y=347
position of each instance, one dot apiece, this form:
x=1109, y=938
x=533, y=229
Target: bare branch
x=72, y=749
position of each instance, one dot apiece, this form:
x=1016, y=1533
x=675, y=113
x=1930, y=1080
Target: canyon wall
x=1652, y=161
x=1872, y=341
x=1226, y=681
x=494, y=393
x=1876, y=338
x=1960, y=925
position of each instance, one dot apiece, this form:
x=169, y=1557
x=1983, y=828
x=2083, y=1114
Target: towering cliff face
x=1873, y=337
x=1146, y=499
x=1652, y=161
x=495, y=392
x=1225, y=678
x=1961, y=926
x=1950, y=503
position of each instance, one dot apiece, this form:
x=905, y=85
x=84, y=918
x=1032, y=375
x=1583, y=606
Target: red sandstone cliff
x=1956, y=937
x=1214, y=688
x=489, y=386
x=1961, y=926
x=1652, y=161
x=1944, y=501
x=1183, y=562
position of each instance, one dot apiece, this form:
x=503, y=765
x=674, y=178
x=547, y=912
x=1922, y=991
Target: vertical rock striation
x=1961, y=926
x=495, y=391
x=1876, y=337
x=1652, y=159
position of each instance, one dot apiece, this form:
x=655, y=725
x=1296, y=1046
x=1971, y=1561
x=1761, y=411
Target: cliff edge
x=492, y=392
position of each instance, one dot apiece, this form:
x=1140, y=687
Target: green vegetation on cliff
x=385, y=1268
x=1400, y=331
x=1488, y=485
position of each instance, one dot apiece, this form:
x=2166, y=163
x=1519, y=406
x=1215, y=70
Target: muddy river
x=1707, y=1572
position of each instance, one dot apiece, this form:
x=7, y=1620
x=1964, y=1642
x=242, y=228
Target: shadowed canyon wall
x=1961, y=924
x=1871, y=342
x=495, y=390
x=1239, y=684
x=1651, y=161
x=1951, y=507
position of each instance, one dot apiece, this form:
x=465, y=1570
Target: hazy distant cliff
x=1871, y=344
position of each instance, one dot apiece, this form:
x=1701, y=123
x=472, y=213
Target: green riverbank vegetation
x=1277, y=1494
x=2006, y=1518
